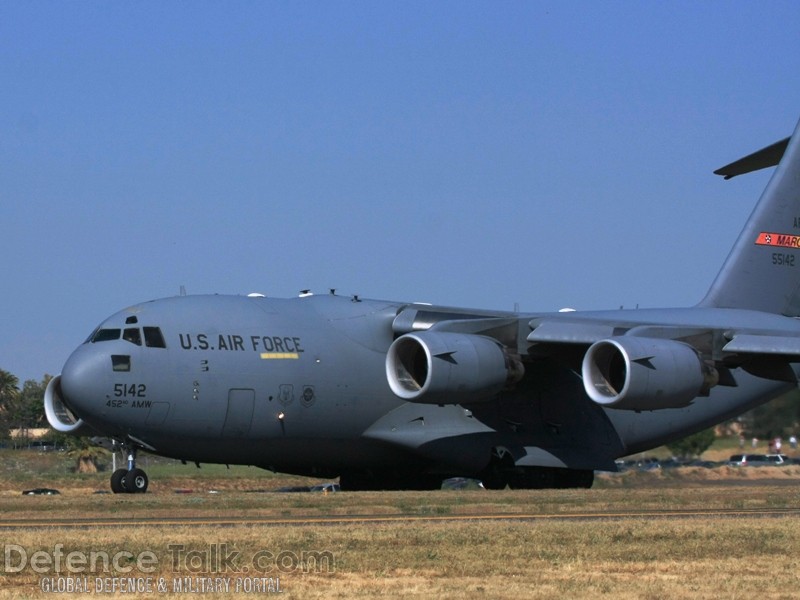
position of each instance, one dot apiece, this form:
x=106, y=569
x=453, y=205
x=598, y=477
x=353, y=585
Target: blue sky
x=547, y=154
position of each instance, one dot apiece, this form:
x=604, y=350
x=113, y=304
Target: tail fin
x=762, y=272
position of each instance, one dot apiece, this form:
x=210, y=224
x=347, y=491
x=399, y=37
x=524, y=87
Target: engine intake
x=58, y=413
x=448, y=368
x=634, y=373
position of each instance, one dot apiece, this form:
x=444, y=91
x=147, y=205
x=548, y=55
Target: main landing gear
x=129, y=480
x=502, y=472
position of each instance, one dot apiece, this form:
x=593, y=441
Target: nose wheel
x=131, y=480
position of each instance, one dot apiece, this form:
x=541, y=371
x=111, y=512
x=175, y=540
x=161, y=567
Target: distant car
x=777, y=459
x=648, y=464
x=743, y=460
x=326, y=487
x=462, y=483
x=705, y=464
x=645, y=464
x=41, y=492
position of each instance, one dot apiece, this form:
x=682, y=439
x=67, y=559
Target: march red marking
x=778, y=239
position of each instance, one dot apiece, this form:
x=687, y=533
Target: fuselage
x=299, y=385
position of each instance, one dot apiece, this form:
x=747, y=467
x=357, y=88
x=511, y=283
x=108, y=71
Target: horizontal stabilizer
x=761, y=159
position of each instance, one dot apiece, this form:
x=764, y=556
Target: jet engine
x=58, y=413
x=449, y=368
x=636, y=373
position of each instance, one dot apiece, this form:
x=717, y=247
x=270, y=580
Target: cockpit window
x=153, y=338
x=105, y=335
x=132, y=335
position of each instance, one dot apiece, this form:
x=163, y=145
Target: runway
x=343, y=520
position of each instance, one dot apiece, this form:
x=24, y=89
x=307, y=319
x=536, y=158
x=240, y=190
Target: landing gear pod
x=448, y=368
x=58, y=413
x=635, y=373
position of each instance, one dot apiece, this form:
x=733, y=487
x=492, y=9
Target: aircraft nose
x=84, y=379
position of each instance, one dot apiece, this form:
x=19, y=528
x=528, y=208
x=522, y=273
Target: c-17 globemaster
x=397, y=395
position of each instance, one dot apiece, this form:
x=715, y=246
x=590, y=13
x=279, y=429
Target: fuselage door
x=240, y=413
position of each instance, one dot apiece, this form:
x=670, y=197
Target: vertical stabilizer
x=762, y=272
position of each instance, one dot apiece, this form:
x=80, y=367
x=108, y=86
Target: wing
x=650, y=360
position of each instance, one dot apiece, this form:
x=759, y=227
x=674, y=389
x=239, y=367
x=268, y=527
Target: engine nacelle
x=58, y=413
x=448, y=368
x=636, y=373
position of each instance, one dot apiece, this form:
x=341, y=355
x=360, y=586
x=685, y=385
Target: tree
x=9, y=394
x=693, y=445
x=21, y=409
x=780, y=416
x=32, y=402
x=85, y=453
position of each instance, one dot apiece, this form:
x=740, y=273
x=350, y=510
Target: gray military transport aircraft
x=398, y=395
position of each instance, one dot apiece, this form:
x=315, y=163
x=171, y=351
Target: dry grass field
x=706, y=556
x=639, y=558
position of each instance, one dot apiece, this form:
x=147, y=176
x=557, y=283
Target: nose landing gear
x=131, y=480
